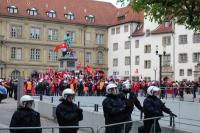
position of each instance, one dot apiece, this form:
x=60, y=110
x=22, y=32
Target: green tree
x=184, y=12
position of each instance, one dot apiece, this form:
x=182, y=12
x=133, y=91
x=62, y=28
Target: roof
x=162, y=28
x=105, y=13
x=139, y=30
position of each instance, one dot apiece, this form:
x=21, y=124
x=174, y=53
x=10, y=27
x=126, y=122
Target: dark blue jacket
x=25, y=117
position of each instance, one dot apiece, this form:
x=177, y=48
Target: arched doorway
x=15, y=74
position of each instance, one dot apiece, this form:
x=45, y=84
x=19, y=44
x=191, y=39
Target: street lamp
x=160, y=66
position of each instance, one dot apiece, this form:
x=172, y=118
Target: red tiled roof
x=105, y=13
x=161, y=29
x=139, y=30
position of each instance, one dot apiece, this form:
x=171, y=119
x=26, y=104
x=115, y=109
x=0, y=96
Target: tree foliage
x=184, y=12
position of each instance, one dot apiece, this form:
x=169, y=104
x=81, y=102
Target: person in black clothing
x=130, y=99
x=25, y=116
x=114, y=109
x=154, y=107
x=68, y=113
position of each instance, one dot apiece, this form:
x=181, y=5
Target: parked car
x=3, y=93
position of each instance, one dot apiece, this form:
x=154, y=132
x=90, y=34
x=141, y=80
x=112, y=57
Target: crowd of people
x=84, y=85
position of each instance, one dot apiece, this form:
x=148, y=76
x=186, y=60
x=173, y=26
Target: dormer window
x=121, y=18
x=12, y=9
x=69, y=16
x=32, y=12
x=89, y=18
x=167, y=23
x=51, y=14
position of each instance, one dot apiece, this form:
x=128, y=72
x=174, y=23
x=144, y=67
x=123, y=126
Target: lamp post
x=155, y=69
x=160, y=63
x=129, y=38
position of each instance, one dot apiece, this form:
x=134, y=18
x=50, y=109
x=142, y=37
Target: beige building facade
x=27, y=45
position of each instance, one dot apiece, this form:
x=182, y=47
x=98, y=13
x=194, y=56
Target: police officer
x=25, y=116
x=68, y=113
x=154, y=107
x=114, y=109
x=130, y=99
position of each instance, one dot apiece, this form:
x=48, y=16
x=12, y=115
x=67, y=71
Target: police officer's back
x=130, y=99
x=114, y=109
x=154, y=107
x=25, y=116
x=68, y=113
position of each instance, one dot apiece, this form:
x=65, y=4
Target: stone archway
x=15, y=74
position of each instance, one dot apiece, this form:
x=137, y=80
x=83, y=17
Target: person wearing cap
x=68, y=113
x=154, y=107
x=114, y=109
x=130, y=99
x=25, y=116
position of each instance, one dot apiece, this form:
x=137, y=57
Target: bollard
x=96, y=107
x=51, y=99
x=79, y=104
x=170, y=122
x=141, y=115
x=41, y=98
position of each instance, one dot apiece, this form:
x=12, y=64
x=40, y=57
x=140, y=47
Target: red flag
x=87, y=70
x=59, y=46
x=50, y=70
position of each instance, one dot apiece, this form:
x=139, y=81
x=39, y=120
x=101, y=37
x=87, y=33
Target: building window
x=189, y=72
x=147, y=64
x=15, y=74
x=16, y=53
x=115, y=73
x=100, y=57
x=51, y=14
x=69, y=16
x=12, y=9
x=181, y=72
x=147, y=49
x=16, y=31
x=112, y=31
x=53, y=56
x=127, y=45
x=137, y=60
x=147, y=78
x=99, y=38
x=52, y=34
x=182, y=39
x=115, y=46
x=32, y=12
x=147, y=32
x=115, y=62
x=166, y=40
x=127, y=60
x=125, y=28
x=196, y=38
x=35, y=33
x=88, y=57
x=196, y=57
x=183, y=58
x=126, y=72
x=137, y=43
x=35, y=54
x=120, y=18
x=90, y=18
x=118, y=30
x=167, y=23
x=166, y=60
x=72, y=35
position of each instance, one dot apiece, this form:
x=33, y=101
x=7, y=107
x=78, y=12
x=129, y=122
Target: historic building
x=30, y=29
x=178, y=47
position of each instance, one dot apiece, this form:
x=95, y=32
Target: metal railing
x=52, y=128
x=172, y=124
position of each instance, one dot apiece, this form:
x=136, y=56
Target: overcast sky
x=114, y=2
